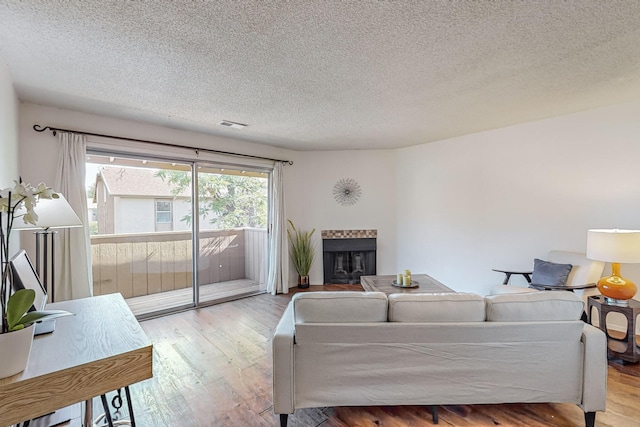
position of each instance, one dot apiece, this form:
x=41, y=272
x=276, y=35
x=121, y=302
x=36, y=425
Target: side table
x=620, y=345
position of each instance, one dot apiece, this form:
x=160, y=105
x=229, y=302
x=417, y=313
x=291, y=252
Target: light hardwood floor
x=146, y=305
x=212, y=367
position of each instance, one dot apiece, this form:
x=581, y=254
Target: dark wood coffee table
x=426, y=284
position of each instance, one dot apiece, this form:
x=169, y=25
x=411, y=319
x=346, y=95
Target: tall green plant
x=302, y=250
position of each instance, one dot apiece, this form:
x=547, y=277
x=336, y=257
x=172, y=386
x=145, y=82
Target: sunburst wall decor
x=347, y=191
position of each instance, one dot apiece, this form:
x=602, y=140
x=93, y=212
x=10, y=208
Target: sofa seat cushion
x=534, y=306
x=436, y=307
x=340, y=307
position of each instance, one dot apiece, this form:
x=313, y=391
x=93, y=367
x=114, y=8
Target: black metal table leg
x=130, y=406
x=107, y=411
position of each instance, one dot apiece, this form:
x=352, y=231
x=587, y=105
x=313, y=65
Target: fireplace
x=348, y=254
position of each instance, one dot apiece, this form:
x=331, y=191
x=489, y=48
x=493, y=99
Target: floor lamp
x=52, y=214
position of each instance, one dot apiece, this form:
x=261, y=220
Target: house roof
x=325, y=75
x=136, y=182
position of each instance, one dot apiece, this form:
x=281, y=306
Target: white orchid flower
x=29, y=203
x=22, y=189
x=31, y=217
x=45, y=192
x=4, y=204
x=23, y=194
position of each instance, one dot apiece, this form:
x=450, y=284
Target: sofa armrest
x=282, y=347
x=594, y=385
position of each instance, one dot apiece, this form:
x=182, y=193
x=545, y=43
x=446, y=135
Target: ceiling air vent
x=232, y=125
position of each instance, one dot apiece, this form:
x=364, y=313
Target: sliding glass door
x=232, y=224
x=143, y=226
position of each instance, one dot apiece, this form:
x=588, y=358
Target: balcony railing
x=150, y=263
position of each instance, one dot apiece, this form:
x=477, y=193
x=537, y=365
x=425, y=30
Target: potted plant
x=16, y=330
x=302, y=253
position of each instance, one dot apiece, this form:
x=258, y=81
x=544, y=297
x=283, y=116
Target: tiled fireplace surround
x=348, y=254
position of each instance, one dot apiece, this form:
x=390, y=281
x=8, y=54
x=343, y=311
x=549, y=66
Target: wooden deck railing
x=148, y=263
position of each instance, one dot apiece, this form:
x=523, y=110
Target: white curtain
x=278, y=278
x=73, y=255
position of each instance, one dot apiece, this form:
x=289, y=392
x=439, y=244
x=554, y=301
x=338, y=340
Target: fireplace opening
x=345, y=259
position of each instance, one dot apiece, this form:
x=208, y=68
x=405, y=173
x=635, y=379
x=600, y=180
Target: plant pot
x=303, y=282
x=14, y=351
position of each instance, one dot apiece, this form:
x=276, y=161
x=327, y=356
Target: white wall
x=310, y=202
x=8, y=128
x=134, y=215
x=502, y=197
x=8, y=136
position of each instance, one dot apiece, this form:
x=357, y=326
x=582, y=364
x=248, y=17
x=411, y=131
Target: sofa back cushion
x=534, y=306
x=436, y=307
x=340, y=307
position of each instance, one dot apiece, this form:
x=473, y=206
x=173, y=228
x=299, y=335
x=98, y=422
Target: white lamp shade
x=52, y=213
x=621, y=246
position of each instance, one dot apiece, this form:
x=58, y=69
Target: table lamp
x=617, y=247
x=52, y=213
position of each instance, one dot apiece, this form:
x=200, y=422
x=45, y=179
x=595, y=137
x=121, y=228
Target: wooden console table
x=100, y=349
x=427, y=284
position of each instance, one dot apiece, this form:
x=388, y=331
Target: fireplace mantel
x=349, y=234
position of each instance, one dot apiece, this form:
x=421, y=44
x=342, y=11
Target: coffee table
x=426, y=284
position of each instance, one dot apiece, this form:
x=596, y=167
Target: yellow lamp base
x=616, y=287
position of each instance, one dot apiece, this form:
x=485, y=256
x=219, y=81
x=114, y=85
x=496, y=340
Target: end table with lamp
x=616, y=246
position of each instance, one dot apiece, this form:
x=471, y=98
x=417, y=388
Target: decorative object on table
x=406, y=279
x=347, y=191
x=412, y=284
x=302, y=252
x=617, y=247
x=16, y=316
x=52, y=213
x=403, y=280
x=15, y=348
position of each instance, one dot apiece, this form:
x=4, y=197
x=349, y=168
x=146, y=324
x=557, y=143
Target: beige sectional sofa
x=367, y=349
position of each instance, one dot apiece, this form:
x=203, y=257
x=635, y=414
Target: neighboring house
x=92, y=212
x=135, y=200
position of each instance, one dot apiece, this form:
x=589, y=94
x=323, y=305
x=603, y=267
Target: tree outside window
x=228, y=201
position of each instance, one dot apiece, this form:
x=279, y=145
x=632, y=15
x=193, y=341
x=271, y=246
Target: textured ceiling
x=318, y=74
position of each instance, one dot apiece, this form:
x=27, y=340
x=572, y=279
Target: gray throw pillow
x=549, y=273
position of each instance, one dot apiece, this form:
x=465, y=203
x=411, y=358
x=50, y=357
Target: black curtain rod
x=39, y=128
